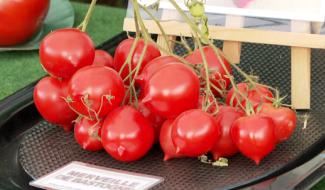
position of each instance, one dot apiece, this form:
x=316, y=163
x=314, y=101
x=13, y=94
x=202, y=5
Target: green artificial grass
x=20, y=68
x=320, y=185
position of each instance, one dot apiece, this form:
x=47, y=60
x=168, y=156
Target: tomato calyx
x=92, y=114
x=249, y=109
x=69, y=100
x=208, y=103
x=221, y=162
x=94, y=130
x=277, y=103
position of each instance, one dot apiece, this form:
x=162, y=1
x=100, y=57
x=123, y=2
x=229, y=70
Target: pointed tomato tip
x=178, y=150
x=66, y=128
x=120, y=150
x=166, y=158
x=257, y=161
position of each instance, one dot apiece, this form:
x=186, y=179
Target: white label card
x=81, y=176
x=311, y=10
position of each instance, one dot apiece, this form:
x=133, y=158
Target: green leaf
x=60, y=15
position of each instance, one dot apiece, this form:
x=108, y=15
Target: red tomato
x=20, y=19
x=194, y=133
x=217, y=73
x=155, y=120
x=256, y=95
x=225, y=147
x=87, y=134
x=103, y=58
x=126, y=134
x=172, y=90
x=48, y=98
x=254, y=136
x=153, y=66
x=123, y=49
x=65, y=51
x=96, y=87
x=166, y=142
x=284, y=119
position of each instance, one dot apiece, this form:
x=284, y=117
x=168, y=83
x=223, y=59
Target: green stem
x=85, y=22
x=71, y=108
x=196, y=29
x=206, y=70
x=159, y=26
x=185, y=44
x=166, y=51
x=137, y=69
x=130, y=55
x=205, y=38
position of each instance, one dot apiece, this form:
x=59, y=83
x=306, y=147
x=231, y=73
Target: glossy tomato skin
x=257, y=95
x=224, y=146
x=254, y=136
x=103, y=58
x=102, y=86
x=172, y=90
x=87, y=134
x=122, y=52
x=218, y=76
x=64, y=51
x=284, y=120
x=48, y=98
x=155, y=120
x=153, y=66
x=126, y=134
x=194, y=133
x=20, y=19
x=166, y=142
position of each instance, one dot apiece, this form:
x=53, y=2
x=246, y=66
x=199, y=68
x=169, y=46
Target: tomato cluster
x=93, y=90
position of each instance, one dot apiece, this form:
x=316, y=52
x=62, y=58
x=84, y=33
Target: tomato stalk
x=203, y=34
x=207, y=79
x=207, y=76
x=205, y=38
x=83, y=25
x=85, y=101
x=93, y=131
x=159, y=26
x=162, y=49
x=137, y=69
x=140, y=29
x=217, y=52
x=68, y=100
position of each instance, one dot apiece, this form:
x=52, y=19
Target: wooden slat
x=161, y=41
x=231, y=48
x=316, y=27
x=300, y=69
x=240, y=34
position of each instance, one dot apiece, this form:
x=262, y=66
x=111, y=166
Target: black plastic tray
x=30, y=147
